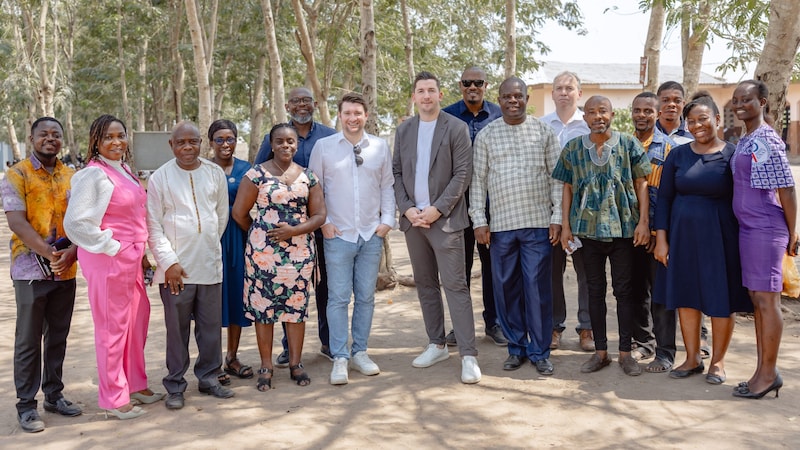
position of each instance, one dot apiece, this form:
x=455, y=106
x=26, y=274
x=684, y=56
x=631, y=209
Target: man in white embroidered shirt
x=187, y=211
x=512, y=162
x=355, y=169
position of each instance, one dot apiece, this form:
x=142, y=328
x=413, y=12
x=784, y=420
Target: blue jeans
x=521, y=267
x=352, y=268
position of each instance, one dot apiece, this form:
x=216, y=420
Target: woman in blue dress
x=696, y=239
x=222, y=135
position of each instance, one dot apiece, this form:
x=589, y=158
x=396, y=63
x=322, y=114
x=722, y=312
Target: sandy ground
x=404, y=407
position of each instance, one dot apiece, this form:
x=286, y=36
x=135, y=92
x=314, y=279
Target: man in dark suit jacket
x=432, y=169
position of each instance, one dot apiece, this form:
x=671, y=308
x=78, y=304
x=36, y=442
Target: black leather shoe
x=450, y=339
x=496, y=335
x=680, y=373
x=217, y=391
x=30, y=422
x=64, y=407
x=513, y=362
x=282, y=360
x=544, y=366
x=174, y=400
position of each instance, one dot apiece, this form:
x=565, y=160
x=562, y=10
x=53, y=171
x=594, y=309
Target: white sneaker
x=470, y=372
x=361, y=362
x=339, y=371
x=431, y=356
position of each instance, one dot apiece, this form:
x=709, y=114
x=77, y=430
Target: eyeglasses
x=476, y=83
x=357, y=151
x=301, y=101
x=229, y=141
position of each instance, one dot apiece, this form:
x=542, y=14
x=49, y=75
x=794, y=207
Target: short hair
x=517, y=80
x=425, y=75
x=45, y=119
x=98, y=129
x=701, y=98
x=669, y=85
x=278, y=127
x=352, y=97
x=221, y=124
x=645, y=94
x=572, y=75
x=761, y=87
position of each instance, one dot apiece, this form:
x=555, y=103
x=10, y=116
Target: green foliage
x=622, y=120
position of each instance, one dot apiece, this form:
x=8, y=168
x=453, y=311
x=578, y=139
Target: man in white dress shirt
x=187, y=211
x=567, y=122
x=355, y=169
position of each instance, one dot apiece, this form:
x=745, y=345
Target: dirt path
x=404, y=407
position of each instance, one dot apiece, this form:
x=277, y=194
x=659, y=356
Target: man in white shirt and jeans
x=187, y=211
x=355, y=169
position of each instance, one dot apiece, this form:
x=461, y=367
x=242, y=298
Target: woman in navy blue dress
x=697, y=239
x=222, y=135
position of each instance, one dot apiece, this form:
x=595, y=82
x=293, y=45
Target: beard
x=302, y=118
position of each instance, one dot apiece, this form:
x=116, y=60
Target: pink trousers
x=121, y=313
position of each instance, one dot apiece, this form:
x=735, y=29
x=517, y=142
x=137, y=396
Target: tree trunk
x=277, y=95
x=70, y=132
x=141, y=119
x=652, y=46
x=126, y=110
x=369, y=65
x=511, y=39
x=409, y=49
x=307, y=49
x=12, y=137
x=179, y=75
x=694, y=32
x=780, y=49
x=200, y=66
x=257, y=109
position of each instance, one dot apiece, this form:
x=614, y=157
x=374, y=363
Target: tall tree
x=510, y=65
x=202, y=49
x=695, y=18
x=369, y=64
x=780, y=53
x=652, y=45
x=307, y=48
x=409, y=51
x=277, y=94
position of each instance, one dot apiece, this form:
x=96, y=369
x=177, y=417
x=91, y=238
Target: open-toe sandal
x=302, y=378
x=264, y=383
x=658, y=365
x=244, y=371
x=223, y=378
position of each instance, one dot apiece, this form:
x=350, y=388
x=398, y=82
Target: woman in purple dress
x=765, y=204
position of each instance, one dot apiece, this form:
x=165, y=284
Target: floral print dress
x=278, y=274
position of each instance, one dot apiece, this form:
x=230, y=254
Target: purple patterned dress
x=759, y=168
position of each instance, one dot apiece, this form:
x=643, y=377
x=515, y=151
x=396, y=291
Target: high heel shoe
x=147, y=399
x=132, y=414
x=746, y=393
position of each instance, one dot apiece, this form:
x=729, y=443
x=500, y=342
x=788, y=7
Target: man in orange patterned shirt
x=35, y=193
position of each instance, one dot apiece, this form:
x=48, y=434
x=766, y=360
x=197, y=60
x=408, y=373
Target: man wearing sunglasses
x=477, y=112
x=301, y=106
x=355, y=169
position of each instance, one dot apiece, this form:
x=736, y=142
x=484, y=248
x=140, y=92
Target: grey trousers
x=44, y=310
x=203, y=303
x=434, y=253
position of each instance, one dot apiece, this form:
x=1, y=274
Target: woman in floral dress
x=279, y=256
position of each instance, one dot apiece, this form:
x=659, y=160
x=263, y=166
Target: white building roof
x=609, y=74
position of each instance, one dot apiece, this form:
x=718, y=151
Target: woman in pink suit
x=106, y=218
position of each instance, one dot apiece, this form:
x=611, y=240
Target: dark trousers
x=522, y=279
x=44, y=311
x=559, y=301
x=658, y=335
x=620, y=252
x=489, y=309
x=202, y=303
x=320, y=295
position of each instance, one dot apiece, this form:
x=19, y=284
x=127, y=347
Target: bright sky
x=616, y=34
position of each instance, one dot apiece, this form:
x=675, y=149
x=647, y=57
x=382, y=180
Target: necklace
x=283, y=171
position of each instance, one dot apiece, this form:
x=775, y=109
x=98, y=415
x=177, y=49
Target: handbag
x=791, y=278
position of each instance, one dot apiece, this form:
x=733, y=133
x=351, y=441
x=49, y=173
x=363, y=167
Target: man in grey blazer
x=432, y=168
